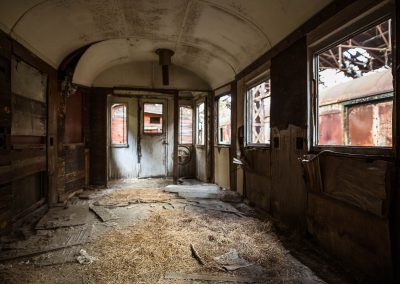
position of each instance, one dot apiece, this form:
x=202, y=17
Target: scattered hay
x=134, y=195
x=144, y=252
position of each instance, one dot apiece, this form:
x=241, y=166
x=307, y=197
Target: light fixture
x=164, y=59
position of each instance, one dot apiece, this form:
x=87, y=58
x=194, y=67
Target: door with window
x=138, y=136
x=201, y=140
x=153, y=138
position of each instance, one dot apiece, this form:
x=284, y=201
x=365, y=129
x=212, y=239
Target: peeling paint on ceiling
x=214, y=39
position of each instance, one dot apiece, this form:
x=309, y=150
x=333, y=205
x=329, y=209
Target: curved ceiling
x=215, y=39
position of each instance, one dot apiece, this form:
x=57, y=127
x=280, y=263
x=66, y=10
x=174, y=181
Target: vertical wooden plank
x=233, y=135
x=98, y=136
x=52, y=141
x=5, y=93
x=176, y=137
x=211, y=139
x=395, y=208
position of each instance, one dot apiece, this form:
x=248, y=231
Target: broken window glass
x=153, y=118
x=118, y=124
x=185, y=125
x=258, y=112
x=355, y=90
x=200, y=135
x=224, y=119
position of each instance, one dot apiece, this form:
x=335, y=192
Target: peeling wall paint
x=222, y=169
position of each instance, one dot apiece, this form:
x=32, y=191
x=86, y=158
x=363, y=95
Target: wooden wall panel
x=23, y=130
x=363, y=183
x=74, y=168
x=73, y=119
x=98, y=135
x=361, y=241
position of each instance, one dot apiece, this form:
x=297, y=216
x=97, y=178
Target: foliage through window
x=185, y=125
x=355, y=90
x=152, y=118
x=224, y=119
x=200, y=124
x=258, y=113
x=119, y=124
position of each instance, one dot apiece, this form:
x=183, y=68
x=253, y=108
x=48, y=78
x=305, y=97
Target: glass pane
x=185, y=125
x=355, y=90
x=224, y=119
x=200, y=124
x=153, y=118
x=118, y=124
x=259, y=98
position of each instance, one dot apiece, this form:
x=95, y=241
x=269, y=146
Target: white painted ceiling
x=215, y=39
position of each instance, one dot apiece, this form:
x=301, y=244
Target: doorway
x=140, y=136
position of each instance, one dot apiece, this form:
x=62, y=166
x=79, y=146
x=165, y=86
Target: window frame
x=197, y=124
x=217, y=98
x=162, y=117
x=367, y=20
x=179, y=136
x=125, y=145
x=257, y=80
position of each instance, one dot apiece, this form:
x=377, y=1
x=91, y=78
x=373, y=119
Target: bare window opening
x=185, y=125
x=153, y=118
x=119, y=124
x=200, y=124
x=258, y=113
x=355, y=90
x=224, y=119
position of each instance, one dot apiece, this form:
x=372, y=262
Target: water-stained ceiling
x=214, y=39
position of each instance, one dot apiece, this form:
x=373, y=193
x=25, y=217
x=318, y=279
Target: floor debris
x=219, y=278
x=196, y=255
x=85, y=258
x=231, y=261
x=148, y=244
x=58, y=217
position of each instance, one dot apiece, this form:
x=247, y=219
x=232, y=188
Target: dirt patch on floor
x=133, y=196
x=144, y=253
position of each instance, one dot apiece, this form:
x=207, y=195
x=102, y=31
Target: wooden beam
x=176, y=138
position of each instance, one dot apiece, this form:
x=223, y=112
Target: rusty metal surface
x=330, y=128
x=384, y=133
x=378, y=83
x=360, y=121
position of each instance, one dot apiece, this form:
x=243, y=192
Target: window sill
x=222, y=146
x=362, y=152
x=153, y=134
x=258, y=147
x=120, y=146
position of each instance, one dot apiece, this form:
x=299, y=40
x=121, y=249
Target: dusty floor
x=148, y=231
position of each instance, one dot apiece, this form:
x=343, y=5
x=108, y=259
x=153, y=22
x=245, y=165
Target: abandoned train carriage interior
x=221, y=141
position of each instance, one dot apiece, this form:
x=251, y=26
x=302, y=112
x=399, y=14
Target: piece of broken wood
x=103, y=213
x=206, y=277
x=38, y=252
x=237, y=213
x=196, y=255
x=79, y=191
